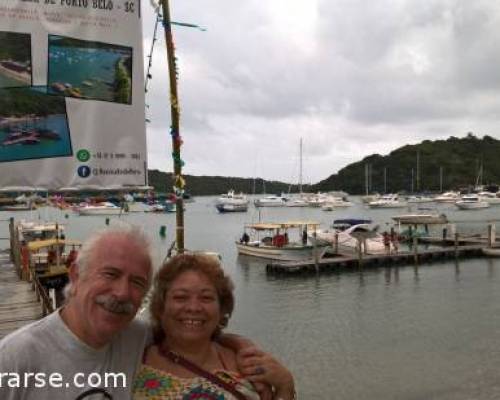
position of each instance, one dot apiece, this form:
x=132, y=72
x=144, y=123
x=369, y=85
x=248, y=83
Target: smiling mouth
x=192, y=323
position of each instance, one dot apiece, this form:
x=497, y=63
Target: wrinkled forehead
x=121, y=252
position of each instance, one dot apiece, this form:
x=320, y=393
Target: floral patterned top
x=153, y=384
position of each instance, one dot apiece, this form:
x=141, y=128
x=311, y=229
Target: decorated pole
x=174, y=130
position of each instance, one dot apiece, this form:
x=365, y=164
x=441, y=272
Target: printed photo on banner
x=33, y=125
x=15, y=59
x=89, y=70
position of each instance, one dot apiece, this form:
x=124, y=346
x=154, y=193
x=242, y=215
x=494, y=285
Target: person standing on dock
x=387, y=242
x=394, y=241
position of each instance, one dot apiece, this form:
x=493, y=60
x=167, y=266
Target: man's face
x=108, y=295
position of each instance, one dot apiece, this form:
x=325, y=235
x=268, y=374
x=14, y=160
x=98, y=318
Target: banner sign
x=71, y=94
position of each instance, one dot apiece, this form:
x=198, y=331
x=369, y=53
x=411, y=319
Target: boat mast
x=366, y=179
x=418, y=171
x=385, y=180
x=440, y=179
x=176, y=138
x=300, y=167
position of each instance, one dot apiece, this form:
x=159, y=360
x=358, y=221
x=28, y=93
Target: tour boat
x=388, y=201
x=272, y=241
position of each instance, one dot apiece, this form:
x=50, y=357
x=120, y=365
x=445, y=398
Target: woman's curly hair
x=207, y=265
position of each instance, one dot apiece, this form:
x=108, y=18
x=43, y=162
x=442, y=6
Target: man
x=93, y=341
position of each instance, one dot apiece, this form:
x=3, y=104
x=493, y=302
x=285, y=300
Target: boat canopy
x=40, y=244
x=281, y=225
x=352, y=221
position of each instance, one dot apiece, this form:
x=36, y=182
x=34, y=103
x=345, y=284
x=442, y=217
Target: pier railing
x=25, y=271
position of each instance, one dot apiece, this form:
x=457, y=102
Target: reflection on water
x=430, y=331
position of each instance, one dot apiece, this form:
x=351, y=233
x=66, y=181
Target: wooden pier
x=18, y=302
x=355, y=262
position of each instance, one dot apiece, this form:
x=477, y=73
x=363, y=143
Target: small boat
x=38, y=230
x=420, y=219
x=297, y=202
x=270, y=201
x=232, y=202
x=104, y=208
x=275, y=243
x=419, y=199
x=447, y=197
x=471, y=202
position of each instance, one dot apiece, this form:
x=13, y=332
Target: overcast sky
x=350, y=77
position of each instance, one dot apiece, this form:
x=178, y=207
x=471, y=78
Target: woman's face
x=192, y=309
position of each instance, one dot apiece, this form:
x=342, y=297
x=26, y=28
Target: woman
x=191, y=303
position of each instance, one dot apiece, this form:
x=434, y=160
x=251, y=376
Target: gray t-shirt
x=48, y=347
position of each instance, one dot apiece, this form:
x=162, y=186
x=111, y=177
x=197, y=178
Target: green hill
x=213, y=185
x=458, y=158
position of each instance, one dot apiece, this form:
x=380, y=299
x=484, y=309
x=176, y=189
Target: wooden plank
x=18, y=303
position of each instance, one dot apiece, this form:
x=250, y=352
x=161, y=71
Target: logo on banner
x=83, y=171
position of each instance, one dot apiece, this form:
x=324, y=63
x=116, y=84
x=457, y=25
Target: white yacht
x=447, y=197
x=388, y=201
x=270, y=201
x=471, y=202
x=232, y=202
x=103, y=208
x=346, y=240
x=490, y=198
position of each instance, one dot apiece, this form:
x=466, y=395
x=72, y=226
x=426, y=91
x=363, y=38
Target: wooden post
x=491, y=234
x=456, y=244
x=336, y=243
x=415, y=249
x=360, y=254
x=175, y=129
x=445, y=233
x=315, y=252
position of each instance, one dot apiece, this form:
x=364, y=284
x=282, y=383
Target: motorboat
x=418, y=199
x=103, y=208
x=348, y=239
x=421, y=219
x=271, y=241
x=270, y=201
x=336, y=202
x=447, y=197
x=388, y=201
x=232, y=202
x=471, y=202
x=297, y=202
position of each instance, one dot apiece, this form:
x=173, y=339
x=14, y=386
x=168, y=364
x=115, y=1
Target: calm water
x=431, y=332
x=95, y=67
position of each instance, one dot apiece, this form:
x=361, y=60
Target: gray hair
x=133, y=232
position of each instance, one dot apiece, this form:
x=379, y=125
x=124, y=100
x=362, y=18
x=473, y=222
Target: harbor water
x=404, y=332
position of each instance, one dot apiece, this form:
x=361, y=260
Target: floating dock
x=343, y=262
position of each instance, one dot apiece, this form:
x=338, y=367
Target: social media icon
x=83, y=171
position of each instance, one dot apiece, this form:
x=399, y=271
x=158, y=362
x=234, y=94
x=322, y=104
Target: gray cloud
x=351, y=77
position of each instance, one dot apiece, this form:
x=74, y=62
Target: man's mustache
x=112, y=304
